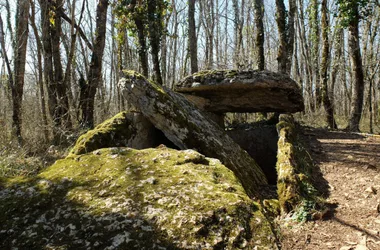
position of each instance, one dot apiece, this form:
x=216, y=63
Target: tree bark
x=19, y=64
x=314, y=39
x=155, y=34
x=259, y=40
x=324, y=65
x=40, y=72
x=142, y=47
x=62, y=98
x=95, y=70
x=192, y=38
x=358, y=76
x=281, y=26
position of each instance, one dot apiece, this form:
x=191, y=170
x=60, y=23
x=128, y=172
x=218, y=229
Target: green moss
x=113, y=132
x=296, y=192
x=132, y=199
x=138, y=76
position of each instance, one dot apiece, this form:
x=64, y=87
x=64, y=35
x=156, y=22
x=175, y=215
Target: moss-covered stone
x=128, y=129
x=122, y=198
x=296, y=192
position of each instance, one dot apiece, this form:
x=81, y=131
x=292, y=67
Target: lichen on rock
x=122, y=198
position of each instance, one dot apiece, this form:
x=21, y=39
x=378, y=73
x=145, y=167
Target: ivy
x=127, y=13
x=353, y=10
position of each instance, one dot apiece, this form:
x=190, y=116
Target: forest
x=77, y=76
x=61, y=62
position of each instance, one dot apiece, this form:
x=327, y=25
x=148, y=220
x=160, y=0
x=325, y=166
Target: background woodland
x=61, y=59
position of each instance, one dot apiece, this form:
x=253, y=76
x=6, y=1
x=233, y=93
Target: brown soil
x=349, y=166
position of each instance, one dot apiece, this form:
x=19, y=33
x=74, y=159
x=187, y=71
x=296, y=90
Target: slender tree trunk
x=305, y=57
x=337, y=61
x=142, y=46
x=358, y=76
x=290, y=35
x=48, y=63
x=192, y=38
x=235, y=6
x=281, y=25
x=314, y=39
x=5, y=56
x=95, y=71
x=324, y=65
x=259, y=40
x=40, y=72
x=175, y=46
x=19, y=64
x=63, y=101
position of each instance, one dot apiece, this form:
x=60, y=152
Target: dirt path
x=350, y=166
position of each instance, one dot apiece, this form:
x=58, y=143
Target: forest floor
x=348, y=166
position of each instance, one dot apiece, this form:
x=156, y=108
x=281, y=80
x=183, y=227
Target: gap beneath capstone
x=260, y=141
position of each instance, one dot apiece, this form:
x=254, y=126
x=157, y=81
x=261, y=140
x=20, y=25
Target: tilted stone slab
x=222, y=91
x=186, y=127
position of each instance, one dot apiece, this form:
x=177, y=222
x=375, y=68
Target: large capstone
x=222, y=91
x=122, y=198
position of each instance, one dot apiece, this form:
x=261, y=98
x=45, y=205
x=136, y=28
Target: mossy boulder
x=126, y=129
x=122, y=198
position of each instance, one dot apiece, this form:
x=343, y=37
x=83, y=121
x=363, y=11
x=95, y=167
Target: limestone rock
x=222, y=91
x=295, y=168
x=186, y=127
x=122, y=198
x=129, y=129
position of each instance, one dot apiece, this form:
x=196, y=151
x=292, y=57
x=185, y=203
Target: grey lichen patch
x=122, y=198
x=296, y=192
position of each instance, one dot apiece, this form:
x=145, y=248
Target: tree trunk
x=142, y=47
x=357, y=67
x=290, y=35
x=155, y=32
x=5, y=56
x=235, y=6
x=95, y=71
x=314, y=39
x=192, y=38
x=259, y=40
x=62, y=98
x=19, y=64
x=40, y=72
x=281, y=25
x=324, y=65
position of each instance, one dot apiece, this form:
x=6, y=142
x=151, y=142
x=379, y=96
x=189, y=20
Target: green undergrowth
x=121, y=198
